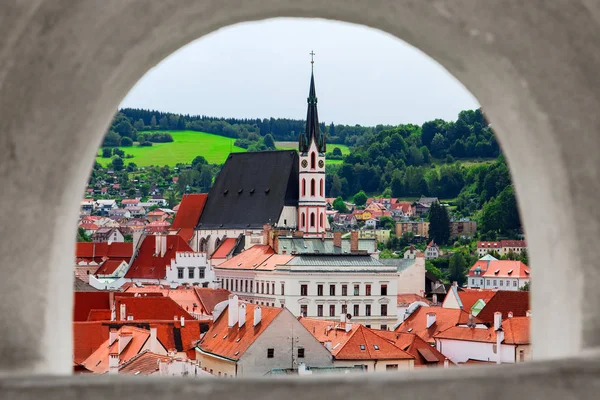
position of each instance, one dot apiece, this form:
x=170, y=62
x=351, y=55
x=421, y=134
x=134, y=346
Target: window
x=332, y=310
x=304, y=310
x=282, y=289
x=301, y=352
x=368, y=310
x=367, y=290
x=190, y=273
x=344, y=290
x=487, y=282
x=303, y=220
x=319, y=290
x=495, y=283
x=245, y=286
x=356, y=309
x=384, y=327
x=521, y=355
x=270, y=353
x=312, y=187
x=332, y=290
x=344, y=309
x=321, y=219
x=257, y=286
x=179, y=273
x=391, y=367
x=267, y=287
x=303, y=187
x=481, y=282
x=384, y=310
x=501, y=282
x=376, y=347
x=320, y=310
x=356, y=290
x=312, y=220
x=472, y=281
x=384, y=290
x=262, y=288
x=272, y=287
x=313, y=161
x=321, y=190
x=201, y=273
x=362, y=347
x=303, y=290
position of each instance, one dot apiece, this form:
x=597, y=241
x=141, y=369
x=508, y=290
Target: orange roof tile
x=108, y=267
x=445, y=318
x=87, y=337
x=365, y=344
x=224, y=248
x=249, y=259
x=500, y=269
x=84, y=302
x=150, y=308
x=469, y=297
x=188, y=214
x=175, y=337
x=97, y=362
x=423, y=352
x=328, y=331
x=209, y=298
x=516, y=331
x=145, y=363
x=100, y=315
x=233, y=342
x=409, y=298
x=505, y=301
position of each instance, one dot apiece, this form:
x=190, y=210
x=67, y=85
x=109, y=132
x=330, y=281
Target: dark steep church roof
x=251, y=190
x=312, y=132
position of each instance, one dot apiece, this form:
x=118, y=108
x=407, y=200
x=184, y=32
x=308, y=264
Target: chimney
x=353, y=242
x=257, y=315
x=430, y=319
x=113, y=363
x=242, y=315
x=455, y=284
x=342, y=317
x=123, y=312
x=510, y=314
x=528, y=313
x=157, y=244
x=499, y=340
x=112, y=336
x=446, y=363
x=497, y=320
x=182, y=321
x=337, y=239
x=267, y=234
x=232, y=312
x=327, y=345
x=163, y=245
x=348, y=326
x=153, y=339
x=124, y=339
x=434, y=299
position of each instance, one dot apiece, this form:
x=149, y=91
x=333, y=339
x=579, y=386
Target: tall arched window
x=321, y=191
x=303, y=220
x=321, y=219
x=312, y=187
x=303, y=187
x=313, y=160
x=312, y=220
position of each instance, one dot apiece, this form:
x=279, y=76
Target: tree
x=524, y=257
x=429, y=267
x=139, y=125
x=269, y=141
x=163, y=123
x=172, y=199
x=82, y=236
x=457, y=268
x=525, y=287
x=118, y=152
x=124, y=128
x=144, y=190
x=335, y=188
x=337, y=152
x=131, y=192
x=117, y=163
x=338, y=204
x=439, y=224
x=397, y=186
x=387, y=223
x=126, y=142
x=199, y=160
x=360, y=198
x=112, y=139
x=153, y=123
x=106, y=152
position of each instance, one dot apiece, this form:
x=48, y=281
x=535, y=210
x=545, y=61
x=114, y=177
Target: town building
x=249, y=340
x=426, y=322
x=515, y=303
x=464, y=228
x=417, y=228
x=108, y=235
x=502, y=247
x=490, y=273
x=472, y=301
x=432, y=251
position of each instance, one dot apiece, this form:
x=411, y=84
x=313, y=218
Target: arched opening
x=313, y=162
x=312, y=219
x=303, y=220
x=303, y=187
x=321, y=191
x=312, y=187
x=321, y=220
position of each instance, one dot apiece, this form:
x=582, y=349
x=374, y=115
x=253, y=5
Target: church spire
x=312, y=132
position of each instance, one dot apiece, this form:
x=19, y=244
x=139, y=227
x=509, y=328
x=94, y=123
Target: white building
x=432, y=251
x=489, y=273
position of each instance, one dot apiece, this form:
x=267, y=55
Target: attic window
x=225, y=192
x=238, y=340
x=409, y=330
x=510, y=271
x=214, y=336
x=240, y=191
x=362, y=347
x=496, y=272
x=236, y=353
x=225, y=337
x=267, y=190
x=252, y=191
x=376, y=347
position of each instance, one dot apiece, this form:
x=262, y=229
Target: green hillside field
x=186, y=146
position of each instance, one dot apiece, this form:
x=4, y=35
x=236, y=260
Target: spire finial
x=312, y=60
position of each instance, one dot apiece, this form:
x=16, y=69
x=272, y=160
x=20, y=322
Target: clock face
x=321, y=163
x=304, y=163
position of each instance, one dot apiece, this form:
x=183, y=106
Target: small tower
x=312, y=219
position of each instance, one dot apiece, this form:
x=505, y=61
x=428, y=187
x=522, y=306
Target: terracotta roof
x=224, y=248
x=407, y=299
x=516, y=331
x=84, y=302
x=423, y=352
x=500, y=269
x=81, y=286
x=108, y=267
x=469, y=297
x=87, y=337
x=489, y=245
x=157, y=212
x=147, y=265
x=209, y=298
x=505, y=301
x=99, y=251
x=249, y=259
x=130, y=201
x=97, y=362
x=100, y=315
x=445, y=318
x=83, y=272
x=145, y=363
x=175, y=337
x=328, y=331
x=365, y=344
x=513, y=243
x=188, y=214
x=150, y=308
x=233, y=342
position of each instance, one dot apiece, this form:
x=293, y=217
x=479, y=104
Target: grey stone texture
x=65, y=66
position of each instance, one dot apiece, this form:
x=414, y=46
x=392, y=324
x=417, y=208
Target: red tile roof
x=224, y=248
x=100, y=315
x=328, y=331
x=500, y=269
x=516, y=331
x=150, y=308
x=97, y=362
x=175, y=337
x=145, y=363
x=505, y=301
x=87, y=337
x=147, y=265
x=260, y=257
x=83, y=272
x=188, y=214
x=84, y=302
x=445, y=318
x=223, y=341
x=365, y=344
x=489, y=245
x=108, y=267
x=209, y=298
x=423, y=352
x=100, y=251
x=407, y=299
x=469, y=297
x=513, y=243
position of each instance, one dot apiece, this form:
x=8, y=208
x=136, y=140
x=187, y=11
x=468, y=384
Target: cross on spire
x=312, y=61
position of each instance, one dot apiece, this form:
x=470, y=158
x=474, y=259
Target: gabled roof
x=188, y=214
x=99, y=315
x=445, y=318
x=150, y=308
x=233, y=342
x=209, y=298
x=88, y=250
x=84, y=302
x=145, y=363
x=516, y=331
x=149, y=265
x=224, y=248
x=108, y=267
x=251, y=258
x=423, y=352
x=87, y=337
x=513, y=243
x=251, y=190
x=505, y=301
x=97, y=362
x=365, y=344
x=327, y=331
x=469, y=297
x=500, y=269
x=407, y=299
x=80, y=285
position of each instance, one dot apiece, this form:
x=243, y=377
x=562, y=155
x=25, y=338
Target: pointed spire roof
x=312, y=131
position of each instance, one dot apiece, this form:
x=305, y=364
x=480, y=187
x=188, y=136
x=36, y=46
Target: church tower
x=312, y=219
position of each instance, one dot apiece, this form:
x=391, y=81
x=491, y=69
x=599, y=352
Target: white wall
x=412, y=279
x=187, y=260
x=462, y=350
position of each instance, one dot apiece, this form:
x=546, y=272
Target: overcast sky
x=262, y=69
